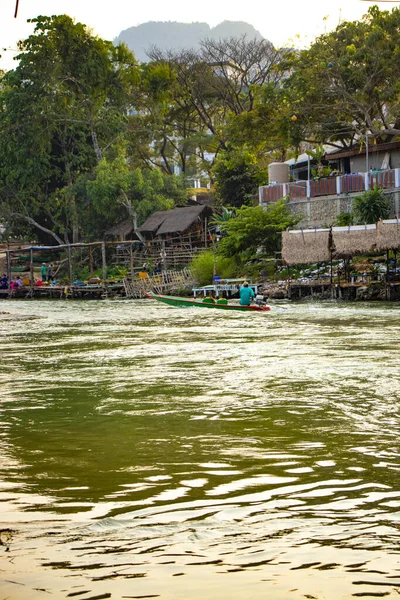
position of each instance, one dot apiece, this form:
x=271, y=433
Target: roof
x=122, y=228
x=154, y=221
x=306, y=246
x=303, y=158
x=172, y=221
x=361, y=150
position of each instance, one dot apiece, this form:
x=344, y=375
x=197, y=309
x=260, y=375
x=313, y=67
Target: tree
x=211, y=87
x=371, y=206
x=255, y=229
x=116, y=191
x=67, y=99
x=347, y=83
x=237, y=176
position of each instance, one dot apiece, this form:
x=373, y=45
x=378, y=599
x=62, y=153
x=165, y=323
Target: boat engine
x=259, y=300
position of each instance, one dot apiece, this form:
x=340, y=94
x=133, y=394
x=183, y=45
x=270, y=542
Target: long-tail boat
x=181, y=302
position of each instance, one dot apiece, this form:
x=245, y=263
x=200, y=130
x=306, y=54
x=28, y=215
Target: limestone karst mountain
x=173, y=35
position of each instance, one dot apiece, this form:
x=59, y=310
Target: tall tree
x=347, y=83
x=61, y=108
x=237, y=175
x=212, y=86
x=116, y=191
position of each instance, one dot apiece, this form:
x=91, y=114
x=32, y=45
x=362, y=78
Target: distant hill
x=168, y=35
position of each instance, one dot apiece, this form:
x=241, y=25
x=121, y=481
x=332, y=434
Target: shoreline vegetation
x=120, y=144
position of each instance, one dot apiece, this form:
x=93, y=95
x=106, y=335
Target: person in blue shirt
x=246, y=295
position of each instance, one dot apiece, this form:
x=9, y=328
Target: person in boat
x=4, y=282
x=246, y=295
x=209, y=299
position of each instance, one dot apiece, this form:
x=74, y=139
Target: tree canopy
x=256, y=230
x=61, y=108
x=89, y=136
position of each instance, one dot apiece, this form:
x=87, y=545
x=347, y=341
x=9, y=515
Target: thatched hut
x=189, y=221
x=306, y=246
x=388, y=235
x=352, y=240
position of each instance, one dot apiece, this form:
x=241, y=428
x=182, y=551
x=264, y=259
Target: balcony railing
x=330, y=186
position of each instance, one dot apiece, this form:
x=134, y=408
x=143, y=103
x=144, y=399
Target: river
x=148, y=451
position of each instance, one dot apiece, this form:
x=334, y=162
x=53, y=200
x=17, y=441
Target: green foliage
x=64, y=103
x=347, y=82
x=221, y=218
x=255, y=230
x=371, y=206
x=82, y=273
x=116, y=192
x=344, y=219
x=237, y=178
x=203, y=267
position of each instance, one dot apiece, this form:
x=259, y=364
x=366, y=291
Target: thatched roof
x=123, y=228
x=388, y=235
x=306, y=246
x=180, y=219
x=154, y=222
x=357, y=239
x=173, y=221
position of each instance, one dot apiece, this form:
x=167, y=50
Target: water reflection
x=160, y=449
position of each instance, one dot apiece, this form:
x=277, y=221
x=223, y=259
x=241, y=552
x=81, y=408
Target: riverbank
x=323, y=289
x=316, y=289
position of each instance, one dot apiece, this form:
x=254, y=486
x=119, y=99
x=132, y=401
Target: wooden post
x=205, y=232
x=387, y=267
x=91, y=261
x=31, y=272
x=387, y=294
x=163, y=255
x=8, y=269
x=103, y=258
x=131, y=259
x=69, y=265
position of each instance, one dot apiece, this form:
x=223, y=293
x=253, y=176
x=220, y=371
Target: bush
x=83, y=273
x=371, y=206
x=202, y=267
x=344, y=219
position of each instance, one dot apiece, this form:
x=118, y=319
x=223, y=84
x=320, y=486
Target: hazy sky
x=277, y=20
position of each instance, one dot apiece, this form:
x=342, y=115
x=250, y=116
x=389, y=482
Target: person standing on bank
x=246, y=295
x=43, y=272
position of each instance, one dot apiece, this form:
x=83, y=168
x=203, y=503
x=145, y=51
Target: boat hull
x=182, y=302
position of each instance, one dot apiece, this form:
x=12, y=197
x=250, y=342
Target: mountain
x=168, y=35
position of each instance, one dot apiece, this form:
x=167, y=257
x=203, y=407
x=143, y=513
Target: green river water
x=183, y=454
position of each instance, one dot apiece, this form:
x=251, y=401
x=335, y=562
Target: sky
x=281, y=21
